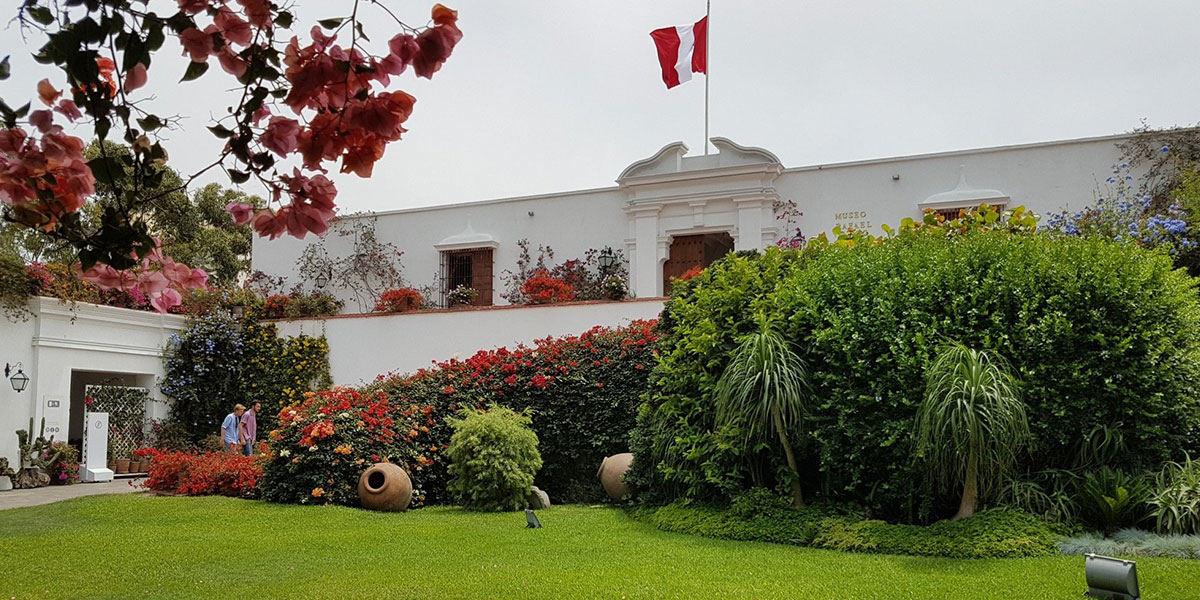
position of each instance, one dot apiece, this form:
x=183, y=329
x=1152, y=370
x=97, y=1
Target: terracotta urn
x=612, y=472
x=384, y=486
x=122, y=465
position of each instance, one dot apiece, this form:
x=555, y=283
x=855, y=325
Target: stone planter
x=122, y=466
x=612, y=472
x=386, y=487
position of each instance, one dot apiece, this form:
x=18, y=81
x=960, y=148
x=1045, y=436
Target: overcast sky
x=562, y=95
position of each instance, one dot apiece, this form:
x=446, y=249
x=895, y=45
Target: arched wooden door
x=690, y=251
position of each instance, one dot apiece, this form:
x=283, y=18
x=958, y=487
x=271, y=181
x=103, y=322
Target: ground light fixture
x=19, y=380
x=531, y=520
x=1111, y=578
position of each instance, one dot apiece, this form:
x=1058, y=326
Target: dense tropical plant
x=493, y=459
x=16, y=287
x=1110, y=499
x=764, y=392
x=1175, y=502
x=971, y=423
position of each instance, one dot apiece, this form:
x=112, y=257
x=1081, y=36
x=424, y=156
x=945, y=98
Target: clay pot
x=122, y=465
x=611, y=473
x=386, y=487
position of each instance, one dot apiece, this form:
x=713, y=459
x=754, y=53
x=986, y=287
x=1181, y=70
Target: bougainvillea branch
x=320, y=101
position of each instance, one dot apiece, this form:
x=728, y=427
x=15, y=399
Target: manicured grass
x=148, y=547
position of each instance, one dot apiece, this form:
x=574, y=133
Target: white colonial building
x=672, y=211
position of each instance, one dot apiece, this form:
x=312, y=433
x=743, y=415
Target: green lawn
x=147, y=547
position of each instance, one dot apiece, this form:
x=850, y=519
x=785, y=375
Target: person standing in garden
x=249, y=428
x=231, y=429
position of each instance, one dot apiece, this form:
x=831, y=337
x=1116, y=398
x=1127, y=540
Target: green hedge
x=1097, y=333
x=988, y=534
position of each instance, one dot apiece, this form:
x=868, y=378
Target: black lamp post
x=19, y=380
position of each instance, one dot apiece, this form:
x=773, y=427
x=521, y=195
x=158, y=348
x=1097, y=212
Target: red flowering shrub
x=203, y=474
x=690, y=273
x=323, y=444
x=544, y=289
x=399, y=300
x=275, y=307
x=584, y=391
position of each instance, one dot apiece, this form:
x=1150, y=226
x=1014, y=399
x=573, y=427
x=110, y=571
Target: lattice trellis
x=126, y=408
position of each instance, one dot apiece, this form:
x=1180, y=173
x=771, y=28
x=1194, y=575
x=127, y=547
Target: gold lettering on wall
x=857, y=219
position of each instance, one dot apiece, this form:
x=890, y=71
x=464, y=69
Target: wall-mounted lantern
x=607, y=259
x=323, y=278
x=19, y=380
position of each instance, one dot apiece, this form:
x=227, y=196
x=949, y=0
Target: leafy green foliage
x=493, y=458
x=987, y=534
x=764, y=390
x=971, y=424
x=1110, y=499
x=1132, y=542
x=16, y=286
x=1097, y=334
x=1175, y=503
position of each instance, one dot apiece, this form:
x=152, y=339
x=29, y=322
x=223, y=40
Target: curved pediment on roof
x=468, y=238
x=733, y=153
x=667, y=160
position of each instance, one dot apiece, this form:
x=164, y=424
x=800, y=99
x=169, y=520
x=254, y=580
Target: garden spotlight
x=1111, y=578
x=531, y=520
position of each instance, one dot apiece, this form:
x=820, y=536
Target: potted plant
x=6, y=475
x=123, y=465
x=461, y=296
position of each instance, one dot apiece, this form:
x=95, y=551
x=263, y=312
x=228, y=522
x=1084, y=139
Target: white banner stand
x=95, y=449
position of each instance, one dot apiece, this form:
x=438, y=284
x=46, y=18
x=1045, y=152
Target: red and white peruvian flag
x=682, y=50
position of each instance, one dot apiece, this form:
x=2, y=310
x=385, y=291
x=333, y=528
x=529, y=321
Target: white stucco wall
x=672, y=193
x=364, y=346
x=58, y=340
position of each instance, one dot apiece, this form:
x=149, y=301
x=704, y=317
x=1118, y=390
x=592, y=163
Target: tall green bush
x=1097, y=334
x=493, y=458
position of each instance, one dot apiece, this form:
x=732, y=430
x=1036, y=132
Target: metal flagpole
x=707, y=69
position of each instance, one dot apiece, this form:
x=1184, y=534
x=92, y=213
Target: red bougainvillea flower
x=68, y=109
x=267, y=224
x=107, y=69
x=135, y=78
x=436, y=43
x=257, y=11
x=47, y=93
x=193, y=7
x=230, y=62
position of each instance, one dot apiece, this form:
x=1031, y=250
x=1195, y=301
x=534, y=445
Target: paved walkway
x=54, y=493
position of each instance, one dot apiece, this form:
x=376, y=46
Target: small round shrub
x=493, y=459
x=544, y=289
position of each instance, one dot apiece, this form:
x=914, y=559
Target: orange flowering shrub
x=203, y=474
x=399, y=300
x=544, y=289
x=324, y=443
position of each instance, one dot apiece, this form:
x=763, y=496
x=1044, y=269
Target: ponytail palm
x=971, y=423
x=764, y=389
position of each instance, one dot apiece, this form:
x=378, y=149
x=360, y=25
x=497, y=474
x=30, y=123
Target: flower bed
x=202, y=474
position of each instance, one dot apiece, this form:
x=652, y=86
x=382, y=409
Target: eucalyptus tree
x=765, y=390
x=971, y=423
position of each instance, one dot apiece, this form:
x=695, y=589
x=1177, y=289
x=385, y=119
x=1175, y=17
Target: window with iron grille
x=468, y=268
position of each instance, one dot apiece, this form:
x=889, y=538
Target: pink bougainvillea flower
x=107, y=278
x=232, y=27
x=231, y=62
x=193, y=7
x=257, y=11
x=263, y=112
x=266, y=224
x=47, y=93
x=68, y=109
x=281, y=135
x=436, y=43
x=165, y=300
x=42, y=119
x=152, y=282
x=135, y=78
x=240, y=211
x=197, y=45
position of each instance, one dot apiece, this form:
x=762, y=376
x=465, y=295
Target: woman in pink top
x=249, y=428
